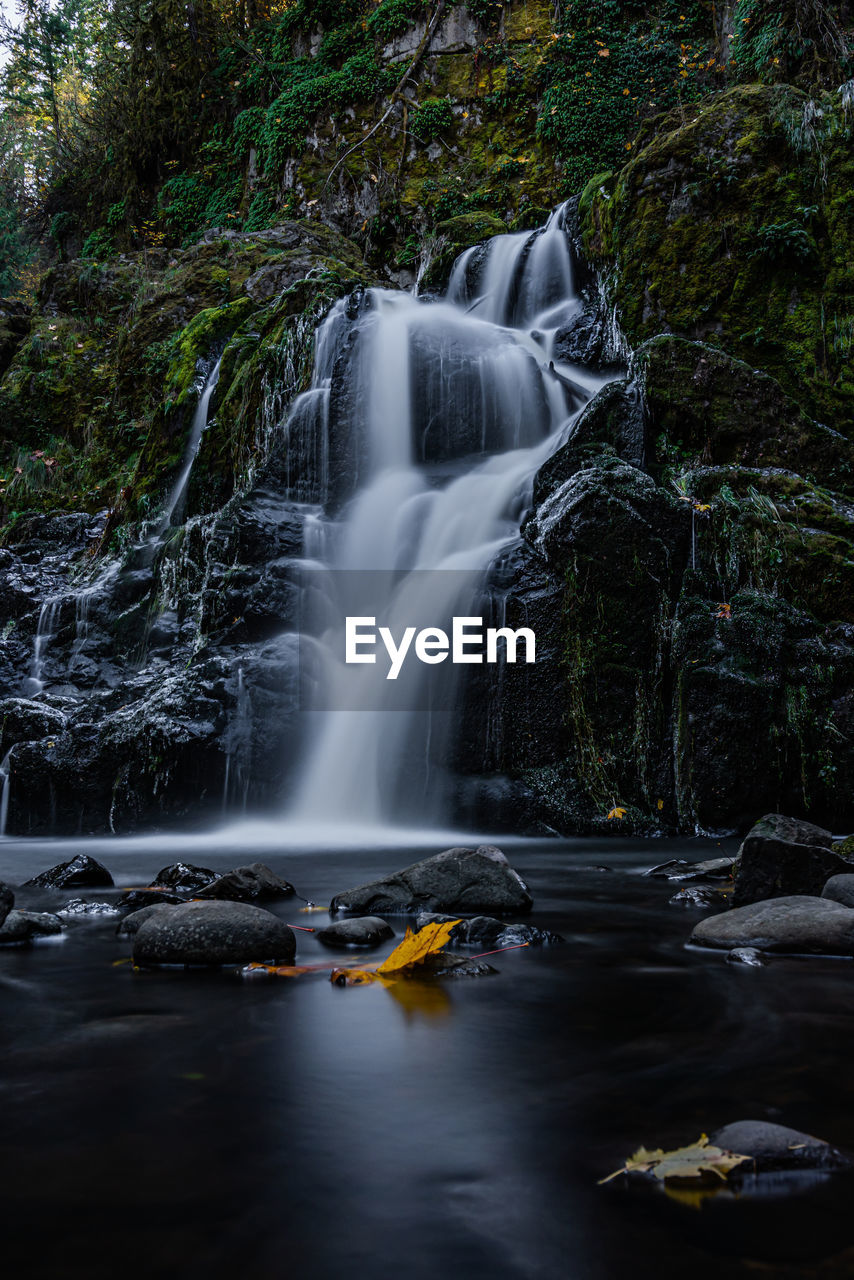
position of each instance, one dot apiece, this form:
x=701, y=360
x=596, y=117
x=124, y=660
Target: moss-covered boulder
x=451, y=238
x=734, y=227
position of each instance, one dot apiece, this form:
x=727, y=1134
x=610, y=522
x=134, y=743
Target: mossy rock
x=715, y=409
x=734, y=228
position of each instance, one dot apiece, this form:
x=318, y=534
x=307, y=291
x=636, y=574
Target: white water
x=454, y=406
x=194, y=440
x=48, y=615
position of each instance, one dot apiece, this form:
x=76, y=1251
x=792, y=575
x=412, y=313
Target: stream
x=204, y=1124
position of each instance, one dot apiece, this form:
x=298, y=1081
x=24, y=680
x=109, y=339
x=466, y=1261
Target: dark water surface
x=200, y=1124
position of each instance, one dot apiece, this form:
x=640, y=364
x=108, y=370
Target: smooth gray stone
x=213, y=933
x=774, y=1146
x=795, y=925
x=465, y=880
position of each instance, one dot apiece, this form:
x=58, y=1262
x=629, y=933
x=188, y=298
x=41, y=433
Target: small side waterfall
x=45, y=630
x=422, y=431
x=174, y=502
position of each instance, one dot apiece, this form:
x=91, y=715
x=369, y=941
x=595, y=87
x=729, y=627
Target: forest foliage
x=134, y=123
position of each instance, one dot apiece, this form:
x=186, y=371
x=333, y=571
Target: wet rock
x=458, y=879
x=445, y=964
x=183, y=877
x=81, y=872
x=681, y=869
x=80, y=907
x=485, y=931
x=137, y=899
x=25, y=926
x=796, y=924
x=7, y=901
x=840, y=889
x=783, y=856
x=24, y=720
x=255, y=883
x=364, y=931
x=748, y=956
x=131, y=924
x=213, y=933
x=845, y=847
x=774, y=1146
x=698, y=897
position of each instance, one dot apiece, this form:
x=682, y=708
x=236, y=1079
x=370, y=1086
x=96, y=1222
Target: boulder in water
x=25, y=926
x=213, y=933
x=7, y=901
x=255, y=883
x=840, y=889
x=775, y=1147
x=364, y=931
x=183, y=877
x=486, y=931
x=81, y=872
x=466, y=880
x=796, y=924
x=783, y=856
x=132, y=923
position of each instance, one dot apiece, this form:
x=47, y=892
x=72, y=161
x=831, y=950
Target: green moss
x=734, y=228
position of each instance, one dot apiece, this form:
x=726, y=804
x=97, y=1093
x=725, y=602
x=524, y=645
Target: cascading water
x=175, y=500
x=45, y=629
x=421, y=434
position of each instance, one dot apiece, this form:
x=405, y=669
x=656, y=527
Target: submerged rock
x=81, y=907
x=795, y=924
x=213, y=933
x=81, y=872
x=7, y=901
x=255, y=883
x=364, y=931
x=137, y=899
x=485, y=931
x=25, y=926
x=445, y=964
x=783, y=856
x=682, y=869
x=774, y=1146
x=458, y=879
x=183, y=877
x=747, y=956
x=696, y=896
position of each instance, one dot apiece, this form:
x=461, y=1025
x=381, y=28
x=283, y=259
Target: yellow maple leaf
x=693, y=1161
x=616, y=812
x=416, y=947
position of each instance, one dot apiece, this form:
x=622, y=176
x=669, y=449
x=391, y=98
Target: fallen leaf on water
x=304, y=911
x=693, y=1161
x=416, y=947
x=412, y=951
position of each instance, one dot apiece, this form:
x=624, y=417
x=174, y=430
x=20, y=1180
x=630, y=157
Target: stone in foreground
x=132, y=923
x=256, y=883
x=213, y=933
x=782, y=856
x=81, y=872
x=773, y=1146
x=465, y=880
x=797, y=924
x=363, y=931
x=25, y=926
x=840, y=889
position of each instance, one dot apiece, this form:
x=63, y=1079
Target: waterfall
x=48, y=615
x=418, y=442
x=5, y=786
x=197, y=427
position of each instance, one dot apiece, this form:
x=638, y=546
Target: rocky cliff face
x=687, y=560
